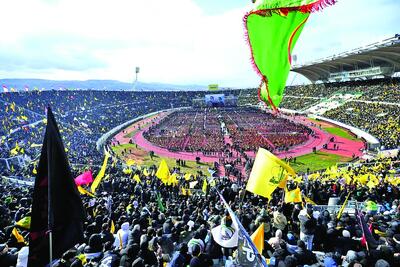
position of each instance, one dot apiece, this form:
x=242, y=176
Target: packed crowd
x=380, y=120
x=83, y=115
x=298, y=103
x=177, y=232
x=203, y=130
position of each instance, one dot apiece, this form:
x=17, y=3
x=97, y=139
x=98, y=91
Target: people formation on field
x=205, y=130
x=178, y=233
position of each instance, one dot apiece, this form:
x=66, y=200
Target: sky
x=176, y=41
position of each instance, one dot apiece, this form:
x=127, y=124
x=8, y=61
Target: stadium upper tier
x=377, y=59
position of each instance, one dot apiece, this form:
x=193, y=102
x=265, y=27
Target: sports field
x=340, y=132
x=317, y=161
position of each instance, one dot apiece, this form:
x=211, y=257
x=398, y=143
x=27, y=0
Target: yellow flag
x=12, y=106
x=313, y=176
x=204, y=188
x=293, y=196
x=112, y=228
x=183, y=191
x=82, y=258
x=363, y=179
x=373, y=181
x=163, y=172
x=137, y=178
x=101, y=173
x=213, y=183
x=308, y=200
x=267, y=173
x=127, y=171
x=15, y=150
x=83, y=191
x=173, y=179
x=130, y=162
x=25, y=222
x=145, y=172
x=343, y=206
x=283, y=182
x=18, y=236
x=34, y=171
x=258, y=238
x=187, y=176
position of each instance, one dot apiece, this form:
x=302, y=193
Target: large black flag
x=57, y=206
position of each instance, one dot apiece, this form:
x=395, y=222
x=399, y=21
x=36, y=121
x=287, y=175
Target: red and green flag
x=273, y=28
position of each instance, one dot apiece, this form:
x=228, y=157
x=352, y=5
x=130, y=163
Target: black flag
x=57, y=206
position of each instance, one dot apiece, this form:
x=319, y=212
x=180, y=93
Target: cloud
x=175, y=41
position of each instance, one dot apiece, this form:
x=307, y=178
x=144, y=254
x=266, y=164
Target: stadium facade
x=377, y=60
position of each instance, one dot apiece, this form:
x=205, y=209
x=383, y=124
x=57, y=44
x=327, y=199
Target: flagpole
x=362, y=228
x=49, y=224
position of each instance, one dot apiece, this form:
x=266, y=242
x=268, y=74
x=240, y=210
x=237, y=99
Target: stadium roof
x=381, y=57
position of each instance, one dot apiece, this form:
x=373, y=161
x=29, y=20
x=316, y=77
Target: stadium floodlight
x=137, y=70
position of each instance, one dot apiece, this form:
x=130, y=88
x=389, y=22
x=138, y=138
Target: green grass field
x=340, y=132
x=317, y=161
x=142, y=158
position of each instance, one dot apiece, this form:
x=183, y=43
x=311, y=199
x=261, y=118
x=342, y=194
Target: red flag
x=84, y=179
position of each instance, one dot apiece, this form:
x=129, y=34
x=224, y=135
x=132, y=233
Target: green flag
x=159, y=202
x=273, y=27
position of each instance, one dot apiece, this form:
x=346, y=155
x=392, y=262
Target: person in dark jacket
x=181, y=258
x=6, y=257
x=199, y=259
x=303, y=255
x=149, y=257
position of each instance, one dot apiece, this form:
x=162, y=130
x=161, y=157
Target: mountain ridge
x=94, y=84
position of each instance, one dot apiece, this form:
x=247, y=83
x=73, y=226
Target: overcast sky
x=173, y=41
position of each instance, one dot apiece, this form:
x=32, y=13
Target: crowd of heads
x=179, y=232
x=381, y=121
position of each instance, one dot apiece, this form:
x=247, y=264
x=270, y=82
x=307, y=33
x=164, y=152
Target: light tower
x=137, y=70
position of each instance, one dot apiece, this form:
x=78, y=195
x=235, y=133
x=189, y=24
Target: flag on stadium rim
x=5, y=89
x=57, y=209
x=248, y=254
x=26, y=88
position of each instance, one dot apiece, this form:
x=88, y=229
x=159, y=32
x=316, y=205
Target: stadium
x=166, y=177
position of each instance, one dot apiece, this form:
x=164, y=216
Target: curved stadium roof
x=385, y=54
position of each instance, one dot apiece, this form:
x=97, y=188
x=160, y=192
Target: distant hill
x=19, y=84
